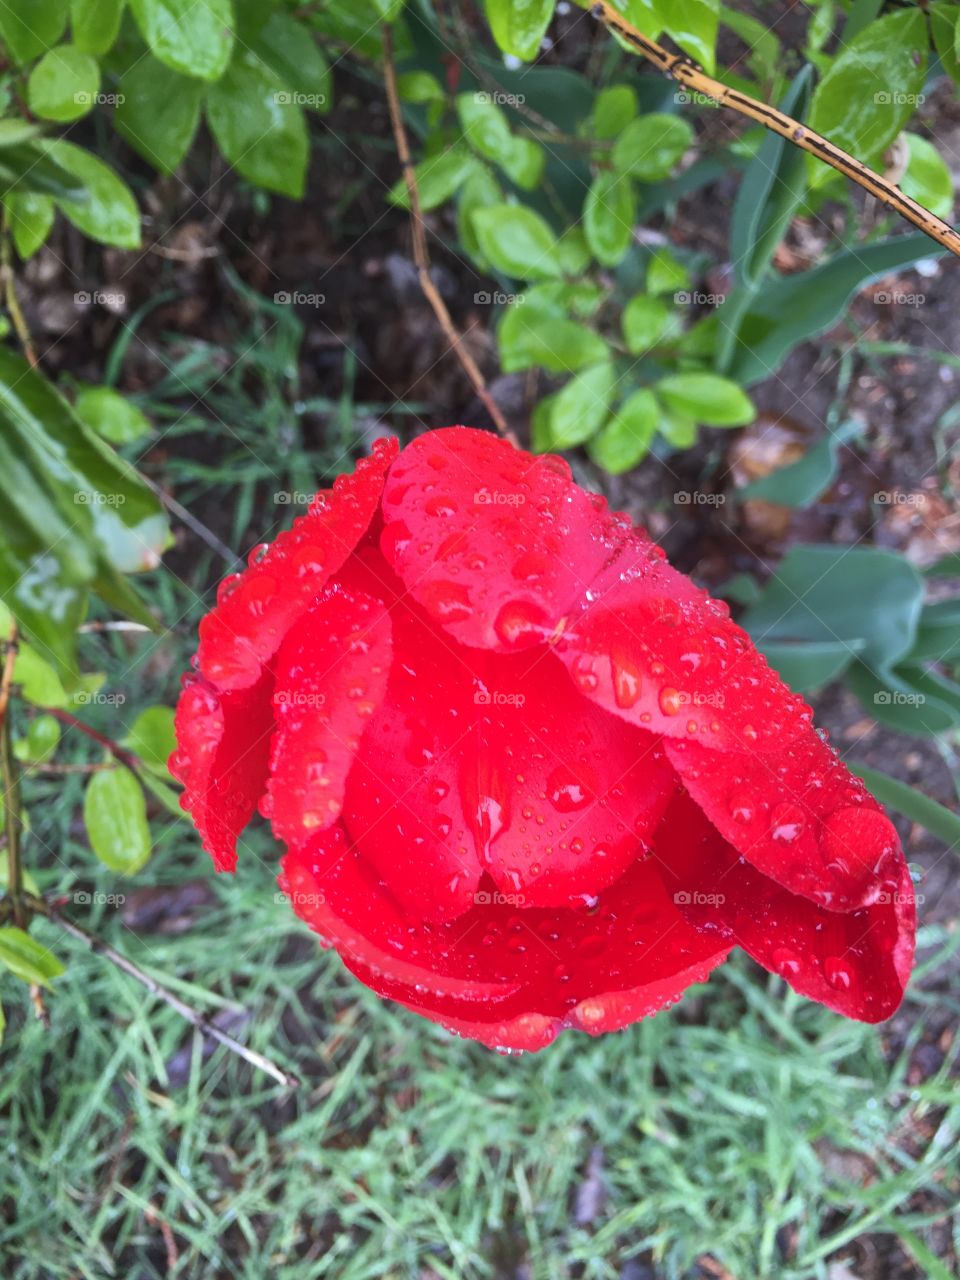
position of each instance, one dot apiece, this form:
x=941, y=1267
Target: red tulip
x=528, y=775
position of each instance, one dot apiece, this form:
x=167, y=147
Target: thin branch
x=10, y=293
x=199, y=1020
x=677, y=66
x=421, y=255
x=128, y=758
x=10, y=779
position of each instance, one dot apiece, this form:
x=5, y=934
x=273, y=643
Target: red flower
x=528, y=775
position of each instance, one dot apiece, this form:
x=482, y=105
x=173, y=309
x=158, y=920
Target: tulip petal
x=223, y=746
x=856, y=962
x=331, y=676
x=259, y=607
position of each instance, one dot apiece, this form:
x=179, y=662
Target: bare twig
x=10, y=293
x=421, y=255
x=10, y=779
x=119, y=753
x=677, y=66
x=196, y=1019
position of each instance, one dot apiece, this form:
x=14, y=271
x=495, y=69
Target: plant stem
x=10, y=293
x=10, y=777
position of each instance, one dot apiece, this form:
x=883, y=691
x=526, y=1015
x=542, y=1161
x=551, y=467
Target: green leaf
x=692, y=24
x=646, y=321
x=609, y=215
x=945, y=26
x=38, y=681
x=258, y=127
x=518, y=26
x=484, y=124
x=927, y=178
x=111, y=415
x=524, y=162
x=480, y=190
x=95, y=24
x=613, y=110
x=28, y=167
x=626, y=438
x=42, y=740
x=677, y=428
x=194, y=37
x=901, y=798
x=159, y=113
x=152, y=737
x=871, y=90
x=517, y=242
x=532, y=335
x=165, y=794
x=790, y=309
x=831, y=594
x=438, y=178
x=64, y=84
x=581, y=407
x=41, y=26
x=115, y=815
x=650, y=146
x=419, y=86
x=802, y=482
x=810, y=664
x=574, y=251
x=906, y=699
x=288, y=48
x=711, y=400
x=938, y=635
x=31, y=217
x=27, y=959
x=109, y=212
x=665, y=273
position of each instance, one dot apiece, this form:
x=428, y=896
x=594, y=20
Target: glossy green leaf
x=289, y=49
x=438, y=178
x=693, y=25
x=31, y=217
x=517, y=242
x=810, y=664
x=194, y=37
x=258, y=127
x=666, y=273
x=480, y=190
x=531, y=335
x=109, y=213
x=42, y=740
x=30, y=27
x=151, y=736
x=419, y=86
x=802, y=482
x=574, y=251
x=609, y=216
x=160, y=112
x=581, y=407
x=523, y=162
x=646, y=320
x=28, y=959
x=115, y=815
x=938, y=634
x=95, y=24
x=626, y=437
x=518, y=26
x=613, y=110
x=713, y=401
x=650, y=146
x=927, y=178
x=37, y=680
x=29, y=168
x=871, y=90
x=111, y=415
x=945, y=26
x=64, y=84
x=677, y=428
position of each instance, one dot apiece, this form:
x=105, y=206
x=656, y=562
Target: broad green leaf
x=710, y=399
x=665, y=273
x=111, y=415
x=802, y=482
x=580, y=408
x=480, y=190
x=524, y=162
x=258, y=127
x=42, y=740
x=109, y=212
x=517, y=242
x=151, y=736
x=692, y=24
x=194, y=37
x=38, y=681
x=677, y=428
x=613, y=110
x=810, y=664
x=438, y=178
x=29, y=168
x=518, y=26
x=650, y=146
x=115, y=815
x=31, y=27
x=532, y=336
x=47, y=604
x=574, y=251
x=419, y=86
x=609, y=216
x=31, y=217
x=160, y=112
x=626, y=437
x=64, y=84
x=871, y=90
x=95, y=24
x=27, y=959
x=945, y=26
x=938, y=635
x=484, y=124
x=927, y=178
x=790, y=309
x=827, y=593
x=905, y=699
x=165, y=794
x=645, y=322
x=289, y=49
x=913, y=804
